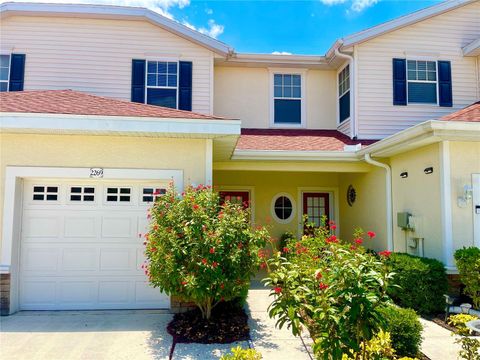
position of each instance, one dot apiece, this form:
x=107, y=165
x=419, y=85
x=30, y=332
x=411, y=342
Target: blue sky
x=299, y=27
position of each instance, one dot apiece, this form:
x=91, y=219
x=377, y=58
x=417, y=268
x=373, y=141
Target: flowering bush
x=333, y=289
x=200, y=250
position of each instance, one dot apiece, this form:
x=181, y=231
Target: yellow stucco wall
x=465, y=161
x=244, y=93
x=102, y=151
x=420, y=195
x=369, y=210
x=266, y=185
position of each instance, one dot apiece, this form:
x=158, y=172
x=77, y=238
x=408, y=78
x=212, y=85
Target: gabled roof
x=114, y=12
x=469, y=114
x=295, y=140
x=78, y=103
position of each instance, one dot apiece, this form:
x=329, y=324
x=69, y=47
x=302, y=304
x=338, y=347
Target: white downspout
x=388, y=189
x=353, y=119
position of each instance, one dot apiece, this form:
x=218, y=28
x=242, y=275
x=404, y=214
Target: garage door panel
x=81, y=255
x=80, y=227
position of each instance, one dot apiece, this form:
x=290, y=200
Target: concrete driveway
x=129, y=335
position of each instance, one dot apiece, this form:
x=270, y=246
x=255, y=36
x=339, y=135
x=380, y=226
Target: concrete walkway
x=139, y=335
x=438, y=342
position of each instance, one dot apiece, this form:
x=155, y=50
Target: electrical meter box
x=403, y=220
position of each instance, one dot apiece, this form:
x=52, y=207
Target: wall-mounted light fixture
x=466, y=196
x=428, y=170
x=404, y=175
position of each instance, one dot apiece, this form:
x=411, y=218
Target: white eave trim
x=472, y=49
x=403, y=21
x=283, y=155
x=114, y=12
x=104, y=125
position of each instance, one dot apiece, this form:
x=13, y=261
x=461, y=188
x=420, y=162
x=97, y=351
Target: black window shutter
x=399, y=82
x=17, y=72
x=445, y=84
x=185, y=86
x=138, y=81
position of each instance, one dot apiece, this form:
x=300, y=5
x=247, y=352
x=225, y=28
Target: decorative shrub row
x=468, y=265
x=421, y=283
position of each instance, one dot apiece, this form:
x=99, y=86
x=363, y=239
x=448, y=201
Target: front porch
x=280, y=194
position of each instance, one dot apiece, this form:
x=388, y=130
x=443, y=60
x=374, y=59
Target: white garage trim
x=12, y=204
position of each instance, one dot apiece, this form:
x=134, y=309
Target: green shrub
x=421, y=283
x=459, y=321
x=470, y=348
x=405, y=330
x=468, y=265
x=199, y=250
x=237, y=353
x=284, y=239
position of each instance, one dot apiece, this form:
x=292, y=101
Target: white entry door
x=476, y=209
x=81, y=246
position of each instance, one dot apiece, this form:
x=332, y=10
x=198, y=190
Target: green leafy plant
x=459, y=321
x=470, y=348
x=333, y=289
x=237, y=353
x=421, y=283
x=377, y=348
x=405, y=330
x=468, y=264
x=199, y=250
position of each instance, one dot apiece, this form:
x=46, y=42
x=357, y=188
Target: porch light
x=404, y=175
x=428, y=170
x=465, y=197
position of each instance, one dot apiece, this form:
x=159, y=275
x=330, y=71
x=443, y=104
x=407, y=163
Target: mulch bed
x=228, y=323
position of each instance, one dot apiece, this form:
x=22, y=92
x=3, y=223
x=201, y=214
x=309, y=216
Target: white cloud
x=213, y=30
x=356, y=5
x=281, y=53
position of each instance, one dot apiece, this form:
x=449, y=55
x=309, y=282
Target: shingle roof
x=470, y=114
x=79, y=103
x=295, y=140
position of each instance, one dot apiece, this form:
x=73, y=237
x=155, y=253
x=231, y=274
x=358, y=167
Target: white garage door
x=81, y=246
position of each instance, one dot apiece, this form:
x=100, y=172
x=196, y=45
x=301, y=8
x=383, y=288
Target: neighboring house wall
x=465, y=161
x=368, y=210
x=420, y=195
x=95, y=55
x=245, y=93
x=438, y=38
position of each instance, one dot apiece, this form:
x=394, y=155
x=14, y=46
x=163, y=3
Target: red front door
x=315, y=206
x=236, y=197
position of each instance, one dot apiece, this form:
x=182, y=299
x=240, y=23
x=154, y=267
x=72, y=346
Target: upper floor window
x=422, y=81
x=162, y=83
x=4, y=72
x=344, y=93
x=287, y=99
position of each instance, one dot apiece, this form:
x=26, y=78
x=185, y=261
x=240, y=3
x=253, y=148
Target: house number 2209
x=96, y=173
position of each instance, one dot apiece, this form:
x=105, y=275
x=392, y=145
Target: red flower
x=332, y=239
x=358, y=241
x=204, y=261
x=319, y=276
x=214, y=264
x=222, y=286
x=240, y=245
x=263, y=265
x=212, y=250
x=195, y=206
x=153, y=250
x=323, y=286
x=220, y=215
x=331, y=222
x=333, y=227
x=353, y=247
x=286, y=250
x=385, y=253
x=277, y=290
x=371, y=234
x=184, y=283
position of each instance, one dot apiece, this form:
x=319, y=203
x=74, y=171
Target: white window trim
x=303, y=98
x=166, y=60
x=272, y=208
x=9, y=68
x=333, y=203
x=240, y=188
x=435, y=60
x=337, y=88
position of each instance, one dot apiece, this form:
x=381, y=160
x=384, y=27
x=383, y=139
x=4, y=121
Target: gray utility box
x=403, y=220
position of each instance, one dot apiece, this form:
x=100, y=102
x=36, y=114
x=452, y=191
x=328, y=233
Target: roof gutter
x=348, y=156
x=353, y=115
x=388, y=194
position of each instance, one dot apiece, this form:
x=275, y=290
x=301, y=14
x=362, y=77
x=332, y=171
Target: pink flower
x=333, y=227
x=277, y=290
x=358, y=241
x=371, y=234
x=385, y=253
x=332, y=239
